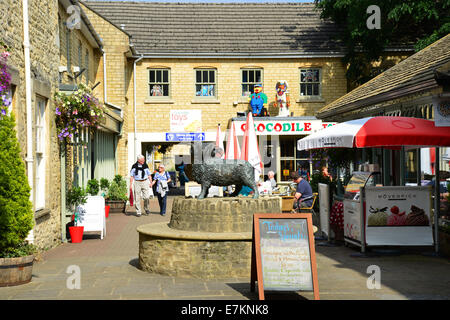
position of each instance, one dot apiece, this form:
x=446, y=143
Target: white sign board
x=193, y=189
x=352, y=219
x=282, y=127
x=324, y=204
x=398, y=216
x=92, y=215
x=185, y=120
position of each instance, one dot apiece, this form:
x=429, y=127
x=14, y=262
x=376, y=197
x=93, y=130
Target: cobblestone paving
x=109, y=270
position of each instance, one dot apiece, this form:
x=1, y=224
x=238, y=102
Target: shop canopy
x=378, y=132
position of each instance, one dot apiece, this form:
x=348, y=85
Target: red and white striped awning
x=378, y=132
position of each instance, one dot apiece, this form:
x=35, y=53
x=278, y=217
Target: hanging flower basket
x=77, y=111
x=5, y=80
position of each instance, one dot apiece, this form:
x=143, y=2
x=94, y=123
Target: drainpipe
x=134, y=102
x=105, y=96
x=29, y=158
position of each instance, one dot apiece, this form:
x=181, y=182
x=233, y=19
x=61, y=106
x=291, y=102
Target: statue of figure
x=258, y=102
x=213, y=171
x=156, y=91
x=282, y=98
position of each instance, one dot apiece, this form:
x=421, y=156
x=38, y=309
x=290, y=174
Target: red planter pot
x=76, y=234
x=107, y=211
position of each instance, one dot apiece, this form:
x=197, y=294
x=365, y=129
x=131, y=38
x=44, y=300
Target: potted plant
x=93, y=187
x=117, y=194
x=74, y=198
x=16, y=213
x=104, y=185
x=77, y=111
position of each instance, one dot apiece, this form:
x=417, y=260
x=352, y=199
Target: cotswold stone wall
x=220, y=214
x=44, y=54
x=118, y=77
x=154, y=115
x=209, y=238
x=195, y=259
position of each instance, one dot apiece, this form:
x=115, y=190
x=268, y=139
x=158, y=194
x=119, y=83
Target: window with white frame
x=205, y=83
x=250, y=77
x=310, y=82
x=40, y=152
x=159, y=82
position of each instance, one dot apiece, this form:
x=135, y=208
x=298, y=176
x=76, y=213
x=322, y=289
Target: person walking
x=162, y=178
x=141, y=176
x=182, y=174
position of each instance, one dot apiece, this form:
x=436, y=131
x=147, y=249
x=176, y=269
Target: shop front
x=277, y=139
x=416, y=89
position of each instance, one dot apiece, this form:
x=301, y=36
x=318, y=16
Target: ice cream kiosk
x=377, y=215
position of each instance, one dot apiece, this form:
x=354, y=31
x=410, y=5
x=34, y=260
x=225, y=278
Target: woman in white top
x=162, y=178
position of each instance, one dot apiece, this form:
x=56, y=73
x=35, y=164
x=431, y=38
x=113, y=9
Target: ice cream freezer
x=386, y=216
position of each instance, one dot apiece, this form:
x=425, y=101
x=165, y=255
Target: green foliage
x=415, y=22
x=16, y=213
x=76, y=196
x=77, y=111
x=104, y=184
x=448, y=191
x=445, y=228
x=22, y=250
x=317, y=178
x=93, y=187
x=118, y=189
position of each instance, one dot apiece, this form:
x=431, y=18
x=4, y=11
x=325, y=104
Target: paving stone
x=109, y=270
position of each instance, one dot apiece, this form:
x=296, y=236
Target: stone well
x=209, y=238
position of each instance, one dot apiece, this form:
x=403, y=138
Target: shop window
x=205, y=83
x=291, y=159
x=159, y=82
x=310, y=82
x=250, y=77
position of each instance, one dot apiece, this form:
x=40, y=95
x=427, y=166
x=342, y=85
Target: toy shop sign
x=284, y=127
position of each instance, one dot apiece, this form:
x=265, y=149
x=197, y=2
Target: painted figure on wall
x=282, y=98
x=258, y=102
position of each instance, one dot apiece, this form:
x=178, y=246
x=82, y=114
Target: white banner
x=398, y=216
x=185, y=121
x=324, y=204
x=352, y=219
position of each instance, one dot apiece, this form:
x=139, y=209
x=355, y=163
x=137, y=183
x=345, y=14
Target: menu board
x=284, y=253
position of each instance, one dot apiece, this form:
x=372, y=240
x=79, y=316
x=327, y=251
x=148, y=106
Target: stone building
x=58, y=48
x=415, y=87
x=32, y=106
x=196, y=64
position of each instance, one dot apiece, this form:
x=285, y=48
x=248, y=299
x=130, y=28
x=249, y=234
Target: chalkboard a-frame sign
x=283, y=254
